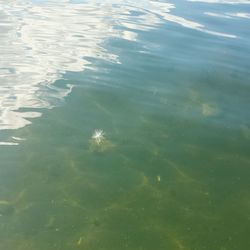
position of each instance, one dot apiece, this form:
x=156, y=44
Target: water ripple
x=42, y=40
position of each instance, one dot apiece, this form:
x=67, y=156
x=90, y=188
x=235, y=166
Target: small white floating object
x=98, y=136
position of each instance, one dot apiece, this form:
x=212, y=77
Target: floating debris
x=98, y=136
x=99, y=143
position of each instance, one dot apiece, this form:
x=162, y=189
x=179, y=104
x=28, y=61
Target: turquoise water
x=124, y=125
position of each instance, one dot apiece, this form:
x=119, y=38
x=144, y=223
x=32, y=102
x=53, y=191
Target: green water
x=173, y=168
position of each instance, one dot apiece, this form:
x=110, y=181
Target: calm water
x=168, y=83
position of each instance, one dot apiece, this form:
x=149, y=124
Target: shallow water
x=167, y=83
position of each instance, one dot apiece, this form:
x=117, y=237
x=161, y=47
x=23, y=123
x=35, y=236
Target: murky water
x=125, y=125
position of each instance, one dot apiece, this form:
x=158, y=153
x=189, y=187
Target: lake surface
x=125, y=125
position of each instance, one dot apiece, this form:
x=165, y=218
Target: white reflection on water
x=239, y=14
x=223, y=1
x=42, y=41
x=229, y=15
x=39, y=43
x=9, y=144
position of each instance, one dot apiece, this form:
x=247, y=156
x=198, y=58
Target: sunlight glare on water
x=49, y=38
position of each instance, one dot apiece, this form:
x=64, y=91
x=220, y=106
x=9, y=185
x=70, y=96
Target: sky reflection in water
x=41, y=40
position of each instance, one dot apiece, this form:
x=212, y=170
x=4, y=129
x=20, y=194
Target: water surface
x=167, y=83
